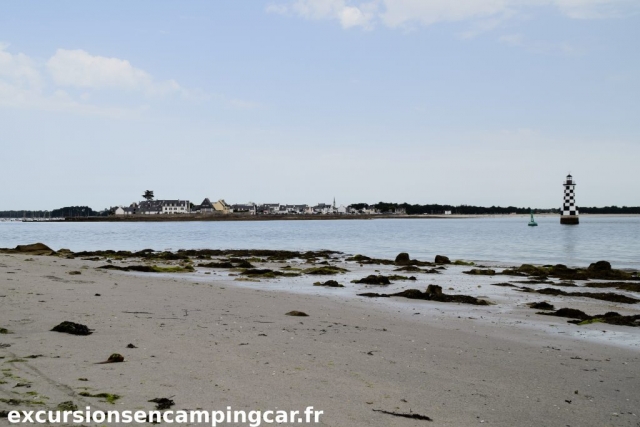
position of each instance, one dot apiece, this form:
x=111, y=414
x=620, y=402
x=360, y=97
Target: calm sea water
x=501, y=239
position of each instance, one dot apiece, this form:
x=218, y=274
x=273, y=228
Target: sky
x=483, y=102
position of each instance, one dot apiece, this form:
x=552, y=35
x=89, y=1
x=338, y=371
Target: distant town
x=149, y=206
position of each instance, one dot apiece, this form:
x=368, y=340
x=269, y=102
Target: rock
x=225, y=264
x=162, y=402
x=131, y=346
x=35, y=249
x=480, y=272
x=403, y=259
x=600, y=266
x=411, y=268
x=114, y=358
x=330, y=284
x=373, y=280
x=441, y=259
x=434, y=290
x=72, y=328
x=74, y=273
x=324, y=270
x=297, y=313
x=541, y=305
x=436, y=295
x=241, y=263
x=571, y=313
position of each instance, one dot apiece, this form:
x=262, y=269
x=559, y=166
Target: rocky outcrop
x=403, y=259
x=441, y=259
x=598, y=270
x=433, y=293
x=329, y=284
x=35, y=249
x=373, y=280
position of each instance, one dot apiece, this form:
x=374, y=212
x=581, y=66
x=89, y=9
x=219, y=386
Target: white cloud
x=348, y=15
x=77, y=68
x=486, y=14
x=18, y=69
x=24, y=83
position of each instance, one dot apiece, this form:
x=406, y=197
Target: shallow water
x=500, y=239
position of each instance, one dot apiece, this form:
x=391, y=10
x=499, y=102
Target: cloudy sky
x=488, y=102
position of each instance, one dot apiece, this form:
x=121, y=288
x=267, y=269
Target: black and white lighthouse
x=569, y=208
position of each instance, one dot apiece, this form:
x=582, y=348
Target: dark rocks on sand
x=114, y=358
x=433, y=293
x=325, y=270
x=624, y=286
x=72, y=328
x=434, y=290
x=403, y=259
x=35, y=249
x=412, y=268
x=598, y=270
x=241, y=263
x=363, y=259
x=581, y=318
x=297, y=313
x=149, y=268
x=480, y=272
x=543, y=305
x=329, y=284
x=224, y=264
x=604, y=296
x=441, y=259
x=162, y=403
x=373, y=280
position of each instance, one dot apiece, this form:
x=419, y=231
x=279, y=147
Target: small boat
x=532, y=223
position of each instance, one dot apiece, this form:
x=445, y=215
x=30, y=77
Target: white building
x=175, y=206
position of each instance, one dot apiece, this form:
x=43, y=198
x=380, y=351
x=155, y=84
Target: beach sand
x=209, y=342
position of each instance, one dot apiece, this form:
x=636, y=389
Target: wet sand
x=212, y=342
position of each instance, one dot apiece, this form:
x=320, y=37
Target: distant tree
x=148, y=195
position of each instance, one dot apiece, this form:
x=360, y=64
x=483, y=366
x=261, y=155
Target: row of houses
x=169, y=207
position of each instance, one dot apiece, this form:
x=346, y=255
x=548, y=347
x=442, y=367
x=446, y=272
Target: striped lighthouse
x=569, y=208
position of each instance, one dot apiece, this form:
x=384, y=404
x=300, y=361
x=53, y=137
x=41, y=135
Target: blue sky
x=487, y=102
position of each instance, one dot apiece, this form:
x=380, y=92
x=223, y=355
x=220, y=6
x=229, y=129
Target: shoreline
x=245, y=217
x=211, y=341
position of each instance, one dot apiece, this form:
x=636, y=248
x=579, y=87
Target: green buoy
x=532, y=223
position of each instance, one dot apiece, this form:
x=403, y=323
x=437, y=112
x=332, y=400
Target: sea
x=500, y=239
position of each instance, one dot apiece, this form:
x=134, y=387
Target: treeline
x=435, y=209
x=610, y=210
x=68, y=211
x=73, y=211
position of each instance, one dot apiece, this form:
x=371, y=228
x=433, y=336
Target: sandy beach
x=207, y=340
